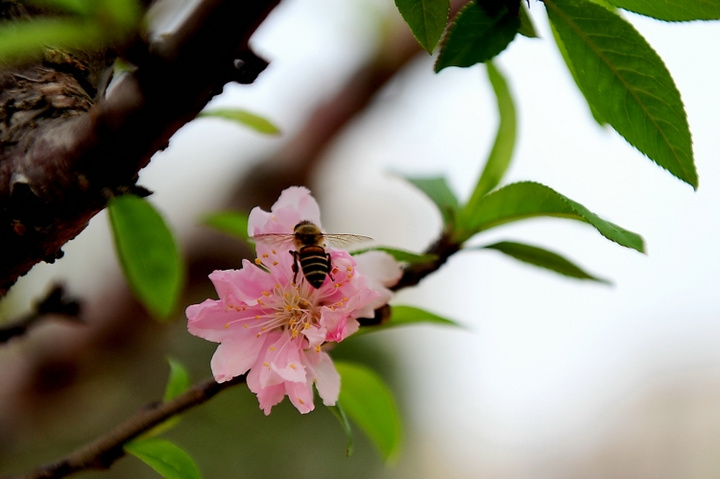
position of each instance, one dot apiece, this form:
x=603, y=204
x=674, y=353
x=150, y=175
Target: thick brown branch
x=60, y=175
x=105, y=450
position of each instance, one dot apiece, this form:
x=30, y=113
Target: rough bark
x=62, y=154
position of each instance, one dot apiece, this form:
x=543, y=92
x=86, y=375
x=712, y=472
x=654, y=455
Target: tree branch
x=61, y=173
x=105, y=450
x=55, y=303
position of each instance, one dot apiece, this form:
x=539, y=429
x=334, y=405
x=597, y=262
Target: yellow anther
x=265, y=255
x=292, y=366
x=271, y=348
x=300, y=401
x=258, y=261
x=257, y=316
x=245, y=325
x=265, y=293
x=227, y=325
x=275, y=263
x=307, y=326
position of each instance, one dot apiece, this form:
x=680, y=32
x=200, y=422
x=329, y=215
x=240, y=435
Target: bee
x=309, y=255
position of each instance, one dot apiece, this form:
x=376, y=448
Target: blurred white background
x=552, y=377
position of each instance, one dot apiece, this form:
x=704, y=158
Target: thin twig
x=105, y=450
x=56, y=304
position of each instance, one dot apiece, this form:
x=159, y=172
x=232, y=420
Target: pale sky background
x=547, y=366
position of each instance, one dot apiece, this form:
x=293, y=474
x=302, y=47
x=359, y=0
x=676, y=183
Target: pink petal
x=299, y=199
x=267, y=396
x=327, y=379
x=244, y=285
x=294, y=205
x=208, y=319
x=379, y=266
x=235, y=356
x=301, y=395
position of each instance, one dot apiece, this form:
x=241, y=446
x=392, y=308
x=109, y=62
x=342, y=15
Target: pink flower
x=274, y=328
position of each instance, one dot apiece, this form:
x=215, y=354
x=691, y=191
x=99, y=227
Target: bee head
x=307, y=233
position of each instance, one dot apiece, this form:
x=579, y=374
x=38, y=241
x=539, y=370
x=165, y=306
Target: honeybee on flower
x=272, y=326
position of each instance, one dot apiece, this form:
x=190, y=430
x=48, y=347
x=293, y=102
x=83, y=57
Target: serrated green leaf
x=673, y=10
x=164, y=457
x=526, y=28
x=626, y=82
x=502, y=150
x=148, y=254
x=243, y=117
x=476, y=36
x=568, y=61
x=399, y=255
x=231, y=222
x=342, y=418
x=426, y=19
x=544, y=259
x=178, y=380
x=438, y=190
x=368, y=401
x=527, y=199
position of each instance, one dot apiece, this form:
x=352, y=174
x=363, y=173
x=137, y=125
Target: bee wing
x=274, y=239
x=343, y=240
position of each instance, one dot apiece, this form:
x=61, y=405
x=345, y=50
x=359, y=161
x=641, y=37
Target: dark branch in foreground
x=105, y=450
x=55, y=304
x=59, y=173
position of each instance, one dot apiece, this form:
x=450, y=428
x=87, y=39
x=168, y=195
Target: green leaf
x=426, y=18
x=568, y=61
x=399, y=255
x=231, y=222
x=166, y=458
x=673, y=10
x=80, y=7
x=543, y=258
x=625, y=82
x=368, y=401
x=405, y=315
x=243, y=117
x=178, y=380
x=476, y=36
x=25, y=40
x=502, y=150
x=339, y=413
x=438, y=190
x=523, y=200
x=148, y=254
x=526, y=28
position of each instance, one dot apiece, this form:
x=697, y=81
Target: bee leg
x=295, y=265
x=329, y=266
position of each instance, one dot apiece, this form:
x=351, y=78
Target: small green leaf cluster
x=81, y=25
x=624, y=81
x=490, y=206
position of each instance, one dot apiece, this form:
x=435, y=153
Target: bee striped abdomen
x=315, y=264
